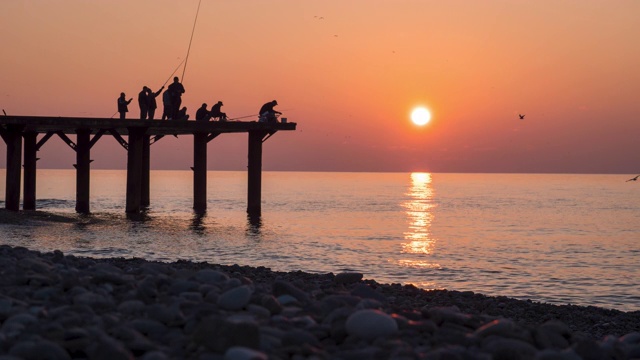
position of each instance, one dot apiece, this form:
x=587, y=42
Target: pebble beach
x=57, y=306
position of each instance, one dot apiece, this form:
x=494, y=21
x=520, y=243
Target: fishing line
x=190, y=40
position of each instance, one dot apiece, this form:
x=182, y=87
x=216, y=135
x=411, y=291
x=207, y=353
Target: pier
x=136, y=137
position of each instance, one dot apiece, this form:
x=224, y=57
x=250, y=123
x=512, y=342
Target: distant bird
x=521, y=116
x=633, y=179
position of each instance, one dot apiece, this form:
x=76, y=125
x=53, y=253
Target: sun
x=420, y=116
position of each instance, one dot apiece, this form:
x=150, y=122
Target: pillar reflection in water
x=419, y=243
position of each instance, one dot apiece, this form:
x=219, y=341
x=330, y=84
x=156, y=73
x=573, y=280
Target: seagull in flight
x=633, y=179
x=521, y=116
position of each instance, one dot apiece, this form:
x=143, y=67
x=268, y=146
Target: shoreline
x=81, y=306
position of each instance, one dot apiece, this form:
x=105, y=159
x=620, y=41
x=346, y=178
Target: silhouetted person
x=168, y=111
x=176, y=90
x=123, y=109
x=151, y=102
x=142, y=102
x=267, y=113
x=217, y=113
x=203, y=114
x=182, y=114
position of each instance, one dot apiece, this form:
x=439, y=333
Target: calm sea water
x=551, y=238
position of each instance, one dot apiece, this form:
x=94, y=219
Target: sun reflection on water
x=419, y=209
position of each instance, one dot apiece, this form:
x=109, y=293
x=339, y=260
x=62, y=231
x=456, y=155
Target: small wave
x=55, y=203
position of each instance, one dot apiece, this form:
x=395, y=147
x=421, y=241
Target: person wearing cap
x=267, y=113
x=216, y=113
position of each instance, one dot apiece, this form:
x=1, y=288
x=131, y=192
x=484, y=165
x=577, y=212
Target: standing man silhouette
x=122, y=105
x=176, y=90
x=151, y=101
x=143, y=103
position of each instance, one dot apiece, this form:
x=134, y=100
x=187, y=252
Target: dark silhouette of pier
x=17, y=131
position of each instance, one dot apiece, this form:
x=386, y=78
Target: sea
x=553, y=238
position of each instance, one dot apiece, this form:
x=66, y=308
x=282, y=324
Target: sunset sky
x=349, y=73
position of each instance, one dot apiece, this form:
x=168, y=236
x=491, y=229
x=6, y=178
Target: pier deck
x=17, y=131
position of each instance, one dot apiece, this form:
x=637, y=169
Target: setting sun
x=420, y=116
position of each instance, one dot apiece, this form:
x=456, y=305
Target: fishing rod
x=190, y=40
x=174, y=71
x=244, y=117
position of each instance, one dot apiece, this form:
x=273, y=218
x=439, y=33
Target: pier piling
x=254, y=173
x=13, y=138
x=30, y=158
x=83, y=170
x=200, y=172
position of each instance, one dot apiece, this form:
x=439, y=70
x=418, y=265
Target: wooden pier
x=17, y=131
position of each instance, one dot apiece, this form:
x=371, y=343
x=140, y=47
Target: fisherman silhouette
x=143, y=103
x=167, y=112
x=151, y=102
x=182, y=114
x=521, y=116
x=267, y=113
x=122, y=105
x=203, y=114
x=176, y=90
x=216, y=113
x=633, y=179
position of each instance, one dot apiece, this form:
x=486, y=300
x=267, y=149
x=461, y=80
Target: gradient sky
x=349, y=73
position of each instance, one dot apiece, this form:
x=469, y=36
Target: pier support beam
x=134, y=169
x=145, y=199
x=83, y=170
x=254, y=173
x=13, y=138
x=29, y=185
x=200, y=172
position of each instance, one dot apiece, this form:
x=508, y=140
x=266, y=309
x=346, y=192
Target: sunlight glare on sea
x=552, y=238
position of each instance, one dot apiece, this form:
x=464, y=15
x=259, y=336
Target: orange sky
x=349, y=73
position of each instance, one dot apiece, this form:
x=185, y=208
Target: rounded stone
x=235, y=299
x=370, y=324
x=243, y=353
x=348, y=278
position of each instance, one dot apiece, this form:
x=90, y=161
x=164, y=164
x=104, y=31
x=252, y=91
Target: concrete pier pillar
x=83, y=170
x=145, y=199
x=134, y=170
x=29, y=185
x=254, y=173
x=200, y=172
x=13, y=138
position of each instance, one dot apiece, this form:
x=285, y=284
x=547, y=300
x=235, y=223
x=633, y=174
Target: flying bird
x=633, y=179
x=521, y=116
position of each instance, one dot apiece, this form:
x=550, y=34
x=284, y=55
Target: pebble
x=72, y=307
x=236, y=298
x=243, y=353
x=370, y=324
